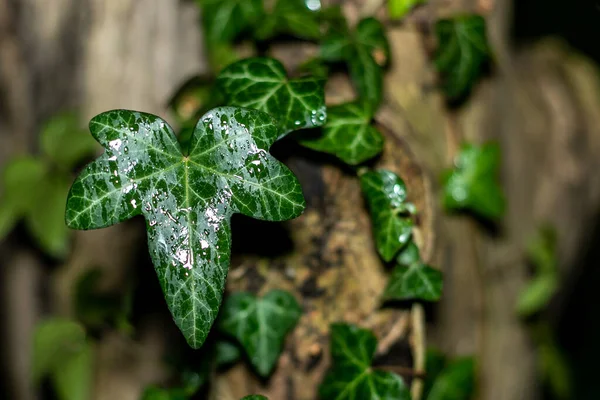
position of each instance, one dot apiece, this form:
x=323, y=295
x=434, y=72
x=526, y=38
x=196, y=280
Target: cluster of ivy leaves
x=188, y=185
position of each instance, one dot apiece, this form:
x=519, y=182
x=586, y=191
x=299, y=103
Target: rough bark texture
x=541, y=103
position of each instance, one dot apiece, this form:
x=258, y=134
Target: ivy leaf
x=473, y=185
x=351, y=375
x=260, y=325
x=74, y=379
x=398, y=9
x=409, y=255
x=348, y=134
x=224, y=20
x=187, y=200
x=292, y=17
x=386, y=196
x=435, y=362
x=462, y=52
x=64, y=142
x=262, y=84
x=455, y=382
x=416, y=282
x=365, y=51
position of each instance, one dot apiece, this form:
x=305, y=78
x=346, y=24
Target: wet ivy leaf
x=473, y=185
x=260, y=324
x=293, y=17
x=262, y=84
x=415, y=282
x=224, y=20
x=62, y=352
x=365, y=51
x=455, y=382
x=462, y=52
x=386, y=196
x=64, y=142
x=398, y=9
x=351, y=375
x=348, y=134
x=187, y=200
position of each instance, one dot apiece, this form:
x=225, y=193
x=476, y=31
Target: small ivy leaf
x=398, y=9
x=348, y=135
x=260, y=324
x=224, y=20
x=416, y=282
x=537, y=294
x=351, y=375
x=386, y=195
x=473, y=185
x=335, y=47
x=262, y=84
x=226, y=353
x=187, y=200
x=370, y=34
x=462, y=52
x=293, y=17
x=409, y=255
x=455, y=382
x=255, y=397
x=64, y=142
x=20, y=179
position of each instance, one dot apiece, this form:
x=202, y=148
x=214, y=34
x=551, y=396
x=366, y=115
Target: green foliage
x=351, y=375
x=187, y=200
x=455, y=382
x=157, y=393
x=62, y=353
x=412, y=279
x=386, y=196
x=262, y=84
x=224, y=20
x=260, y=324
x=348, y=134
x=292, y=17
x=226, y=353
x=435, y=362
x=365, y=51
x=462, y=52
x=473, y=184
x=398, y=9
x=553, y=366
x=255, y=397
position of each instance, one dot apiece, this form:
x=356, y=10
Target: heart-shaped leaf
x=187, y=200
x=400, y=8
x=473, y=185
x=351, y=375
x=462, y=52
x=348, y=134
x=392, y=225
x=262, y=84
x=293, y=17
x=260, y=324
x=224, y=20
x=416, y=282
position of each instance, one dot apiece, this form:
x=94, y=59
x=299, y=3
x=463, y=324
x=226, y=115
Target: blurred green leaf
x=462, y=52
x=398, y=9
x=435, y=362
x=409, y=255
x=157, y=393
x=299, y=18
x=260, y=324
x=455, y=382
x=73, y=380
x=351, y=376
x=537, y=294
x=553, y=366
x=348, y=134
x=473, y=184
x=263, y=84
x=386, y=196
x=416, y=282
x=224, y=20
x=541, y=250
x=315, y=67
x=65, y=142
x=226, y=353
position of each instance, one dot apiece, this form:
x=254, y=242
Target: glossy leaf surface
x=262, y=84
x=385, y=193
x=400, y=8
x=260, y=324
x=415, y=282
x=473, y=185
x=224, y=20
x=187, y=200
x=351, y=376
x=462, y=52
x=348, y=134
x=455, y=382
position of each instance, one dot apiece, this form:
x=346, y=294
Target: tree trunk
x=540, y=102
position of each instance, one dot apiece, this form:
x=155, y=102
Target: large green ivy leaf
x=348, y=134
x=187, y=200
x=365, y=51
x=298, y=18
x=462, y=52
x=473, y=185
x=351, y=376
x=386, y=195
x=224, y=20
x=455, y=382
x=398, y=9
x=260, y=325
x=412, y=279
x=262, y=84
